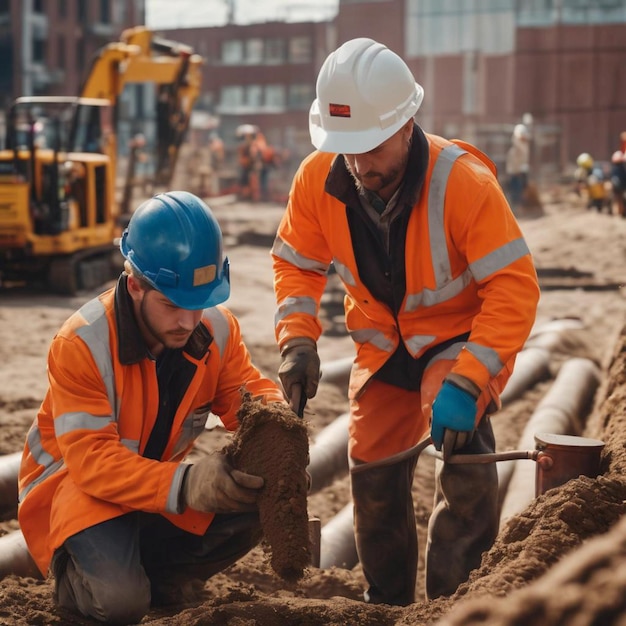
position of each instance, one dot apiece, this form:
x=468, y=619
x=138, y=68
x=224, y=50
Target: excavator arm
x=141, y=57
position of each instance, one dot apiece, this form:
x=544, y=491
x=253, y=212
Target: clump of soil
x=272, y=442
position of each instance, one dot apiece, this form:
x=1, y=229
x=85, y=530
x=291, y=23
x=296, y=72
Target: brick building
x=485, y=65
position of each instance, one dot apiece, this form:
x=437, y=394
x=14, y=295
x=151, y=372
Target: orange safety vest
x=82, y=460
x=468, y=269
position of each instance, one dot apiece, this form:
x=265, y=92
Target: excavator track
x=82, y=271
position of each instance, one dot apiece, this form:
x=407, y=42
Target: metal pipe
x=9, y=470
x=328, y=456
x=338, y=545
x=15, y=559
x=532, y=365
x=560, y=412
x=338, y=372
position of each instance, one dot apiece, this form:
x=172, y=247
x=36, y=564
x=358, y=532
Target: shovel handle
x=297, y=402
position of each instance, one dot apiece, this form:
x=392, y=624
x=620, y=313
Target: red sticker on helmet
x=339, y=110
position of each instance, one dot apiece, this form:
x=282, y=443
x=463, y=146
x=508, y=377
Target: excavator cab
x=56, y=186
x=59, y=215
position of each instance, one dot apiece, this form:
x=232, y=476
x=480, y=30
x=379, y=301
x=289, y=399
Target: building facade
x=485, y=65
x=46, y=45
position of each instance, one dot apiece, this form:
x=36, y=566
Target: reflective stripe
x=41, y=457
x=192, y=427
x=487, y=356
x=299, y=304
x=450, y=353
x=131, y=444
x=499, y=258
x=285, y=252
x=344, y=273
x=68, y=422
x=51, y=469
x=430, y=297
x=221, y=329
x=436, y=203
x=96, y=335
x=373, y=336
x=173, y=500
x=415, y=343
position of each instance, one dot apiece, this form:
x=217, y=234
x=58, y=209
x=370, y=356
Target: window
x=274, y=51
x=39, y=50
x=232, y=52
x=254, y=96
x=105, y=12
x=80, y=54
x=275, y=96
x=82, y=11
x=301, y=96
x=300, y=50
x=254, y=51
x=61, y=51
x=232, y=97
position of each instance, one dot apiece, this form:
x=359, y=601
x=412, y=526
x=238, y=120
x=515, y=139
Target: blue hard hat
x=174, y=241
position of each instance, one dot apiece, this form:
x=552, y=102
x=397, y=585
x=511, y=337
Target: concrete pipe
x=337, y=372
x=561, y=412
x=328, y=456
x=9, y=469
x=15, y=559
x=338, y=545
x=531, y=366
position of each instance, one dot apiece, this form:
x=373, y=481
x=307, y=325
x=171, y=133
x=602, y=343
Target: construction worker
x=591, y=183
x=618, y=181
x=441, y=294
x=107, y=501
x=250, y=163
x=517, y=165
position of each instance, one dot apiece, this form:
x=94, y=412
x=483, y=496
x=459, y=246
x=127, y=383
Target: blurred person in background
x=517, y=165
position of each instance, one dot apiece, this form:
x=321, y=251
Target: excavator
x=59, y=215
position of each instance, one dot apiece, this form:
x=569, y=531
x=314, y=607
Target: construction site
x=560, y=554
x=68, y=192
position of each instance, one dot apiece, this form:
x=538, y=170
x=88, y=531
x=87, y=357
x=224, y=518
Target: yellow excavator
x=59, y=216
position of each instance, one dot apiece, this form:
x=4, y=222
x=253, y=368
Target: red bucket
x=564, y=457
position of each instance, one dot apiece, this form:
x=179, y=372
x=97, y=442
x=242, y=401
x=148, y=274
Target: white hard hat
x=521, y=130
x=365, y=93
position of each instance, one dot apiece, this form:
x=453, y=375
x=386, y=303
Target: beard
x=375, y=181
x=170, y=339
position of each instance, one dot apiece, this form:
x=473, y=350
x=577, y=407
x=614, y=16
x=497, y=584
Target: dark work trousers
x=464, y=522
x=110, y=571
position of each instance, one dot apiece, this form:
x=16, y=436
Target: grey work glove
x=300, y=365
x=211, y=485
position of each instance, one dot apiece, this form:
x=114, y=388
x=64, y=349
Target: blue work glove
x=453, y=409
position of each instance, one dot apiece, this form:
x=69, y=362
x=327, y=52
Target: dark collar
x=340, y=184
x=131, y=346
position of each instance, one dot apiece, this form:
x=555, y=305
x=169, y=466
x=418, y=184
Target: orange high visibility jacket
x=468, y=268
x=82, y=460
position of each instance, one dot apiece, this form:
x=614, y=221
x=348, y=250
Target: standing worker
x=518, y=165
x=106, y=499
x=441, y=296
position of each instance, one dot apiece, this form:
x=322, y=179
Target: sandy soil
x=560, y=560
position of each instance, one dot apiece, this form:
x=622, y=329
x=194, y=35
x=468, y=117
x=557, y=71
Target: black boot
x=464, y=521
x=384, y=527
